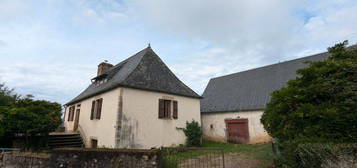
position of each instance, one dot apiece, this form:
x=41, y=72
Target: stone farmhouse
x=232, y=105
x=138, y=103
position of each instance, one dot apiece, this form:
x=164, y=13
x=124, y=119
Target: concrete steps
x=64, y=140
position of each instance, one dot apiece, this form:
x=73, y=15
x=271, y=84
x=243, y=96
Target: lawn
x=261, y=153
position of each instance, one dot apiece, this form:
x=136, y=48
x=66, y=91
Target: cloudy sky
x=51, y=48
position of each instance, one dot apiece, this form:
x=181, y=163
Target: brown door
x=76, y=121
x=237, y=130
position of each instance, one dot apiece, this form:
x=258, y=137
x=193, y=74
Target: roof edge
x=296, y=59
x=126, y=86
x=229, y=111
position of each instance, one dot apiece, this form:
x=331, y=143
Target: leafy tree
x=320, y=104
x=26, y=116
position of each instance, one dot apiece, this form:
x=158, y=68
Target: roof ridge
x=136, y=66
x=122, y=63
x=172, y=74
x=296, y=59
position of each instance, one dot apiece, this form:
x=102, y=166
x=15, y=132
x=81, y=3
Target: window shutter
x=92, y=110
x=175, y=109
x=168, y=108
x=69, y=114
x=72, y=115
x=99, y=108
x=161, y=108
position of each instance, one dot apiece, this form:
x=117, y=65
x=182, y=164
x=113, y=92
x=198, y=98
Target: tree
x=26, y=116
x=320, y=104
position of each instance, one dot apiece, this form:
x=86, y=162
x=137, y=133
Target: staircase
x=65, y=140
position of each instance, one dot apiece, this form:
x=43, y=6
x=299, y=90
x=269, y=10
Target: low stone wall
x=90, y=158
x=24, y=160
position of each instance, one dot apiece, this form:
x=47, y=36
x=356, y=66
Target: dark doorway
x=76, y=120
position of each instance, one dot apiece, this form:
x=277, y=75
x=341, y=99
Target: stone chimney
x=103, y=67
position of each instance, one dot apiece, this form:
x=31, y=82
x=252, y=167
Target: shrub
x=193, y=133
x=318, y=106
x=320, y=103
x=318, y=155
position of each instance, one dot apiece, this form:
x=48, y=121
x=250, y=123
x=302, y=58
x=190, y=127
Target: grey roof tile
x=144, y=70
x=250, y=90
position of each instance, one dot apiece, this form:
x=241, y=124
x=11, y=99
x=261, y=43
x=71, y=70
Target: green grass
x=261, y=152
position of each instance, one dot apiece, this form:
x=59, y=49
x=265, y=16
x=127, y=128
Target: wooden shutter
x=175, y=109
x=72, y=115
x=92, y=110
x=69, y=114
x=99, y=108
x=161, y=108
x=167, y=108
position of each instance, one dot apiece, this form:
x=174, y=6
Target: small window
x=94, y=143
x=165, y=108
x=96, y=110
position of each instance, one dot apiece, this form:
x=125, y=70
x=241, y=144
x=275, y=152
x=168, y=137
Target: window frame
x=96, y=109
x=168, y=109
x=71, y=111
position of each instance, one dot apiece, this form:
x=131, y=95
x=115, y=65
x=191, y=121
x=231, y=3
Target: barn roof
x=250, y=90
x=144, y=70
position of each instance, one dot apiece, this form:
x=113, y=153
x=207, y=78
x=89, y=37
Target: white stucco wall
x=257, y=133
x=103, y=129
x=141, y=127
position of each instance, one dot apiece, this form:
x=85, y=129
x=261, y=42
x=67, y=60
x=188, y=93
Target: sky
x=51, y=48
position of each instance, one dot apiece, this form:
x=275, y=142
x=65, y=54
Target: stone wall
x=90, y=158
x=24, y=160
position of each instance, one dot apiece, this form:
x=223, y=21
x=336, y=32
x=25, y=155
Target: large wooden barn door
x=237, y=130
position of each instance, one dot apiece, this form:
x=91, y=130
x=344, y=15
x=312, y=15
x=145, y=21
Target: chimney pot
x=103, y=67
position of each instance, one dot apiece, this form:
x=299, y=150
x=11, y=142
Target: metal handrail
x=82, y=134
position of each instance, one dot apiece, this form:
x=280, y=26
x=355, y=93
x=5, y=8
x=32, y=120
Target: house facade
x=138, y=103
x=232, y=105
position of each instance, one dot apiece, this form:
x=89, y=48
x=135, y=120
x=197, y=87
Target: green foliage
x=320, y=104
x=193, y=133
x=26, y=116
x=317, y=155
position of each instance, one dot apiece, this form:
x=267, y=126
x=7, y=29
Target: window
x=96, y=110
x=165, y=108
x=71, y=113
x=94, y=143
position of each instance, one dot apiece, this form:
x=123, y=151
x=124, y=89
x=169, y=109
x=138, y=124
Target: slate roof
x=250, y=90
x=144, y=70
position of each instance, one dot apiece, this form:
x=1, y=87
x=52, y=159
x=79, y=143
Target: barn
x=233, y=104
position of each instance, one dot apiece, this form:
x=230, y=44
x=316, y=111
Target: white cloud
x=51, y=81
x=2, y=43
x=250, y=32
x=12, y=9
x=100, y=11
x=51, y=50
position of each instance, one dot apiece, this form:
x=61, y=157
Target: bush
x=320, y=103
x=318, y=155
x=319, y=106
x=193, y=133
